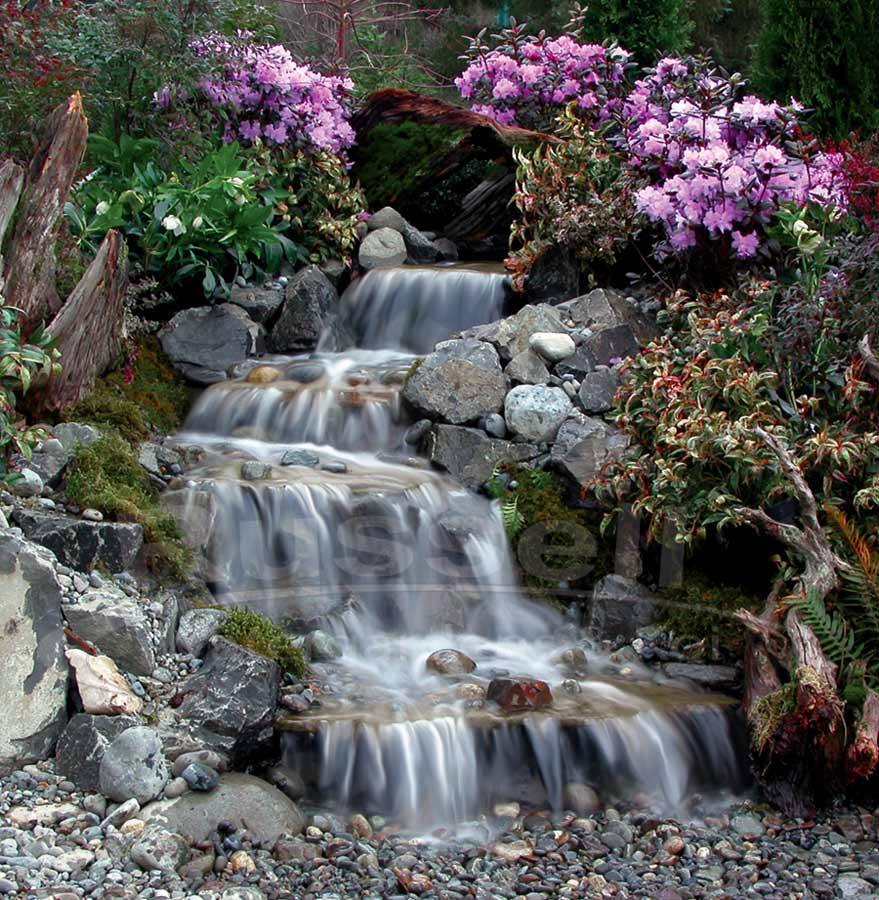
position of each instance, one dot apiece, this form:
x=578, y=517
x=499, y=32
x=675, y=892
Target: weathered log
x=862, y=758
x=11, y=183
x=88, y=330
x=871, y=363
x=30, y=258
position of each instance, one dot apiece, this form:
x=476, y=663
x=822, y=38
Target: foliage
x=107, y=476
x=260, y=92
x=824, y=53
x=859, y=163
x=144, y=398
x=526, y=79
x=255, y=632
x=207, y=220
x=576, y=194
x=21, y=361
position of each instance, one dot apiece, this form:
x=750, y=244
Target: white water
x=398, y=561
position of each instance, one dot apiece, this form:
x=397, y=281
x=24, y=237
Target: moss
x=144, y=398
x=768, y=713
x=255, y=632
x=107, y=476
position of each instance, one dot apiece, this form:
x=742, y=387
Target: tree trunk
x=30, y=260
x=862, y=758
x=88, y=330
x=11, y=183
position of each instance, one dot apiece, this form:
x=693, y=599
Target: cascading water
x=320, y=518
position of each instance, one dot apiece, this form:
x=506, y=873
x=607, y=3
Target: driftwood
x=11, y=184
x=30, y=258
x=862, y=758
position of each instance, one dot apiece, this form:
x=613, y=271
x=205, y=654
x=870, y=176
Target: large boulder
x=249, y=804
x=419, y=248
x=310, y=308
x=83, y=744
x=382, y=249
x=83, y=545
x=527, y=368
x=134, y=766
x=231, y=700
x=620, y=606
x=197, y=627
x=583, y=445
x=470, y=455
x=604, y=308
x=554, y=277
x=512, y=335
x=598, y=389
x=610, y=345
x=535, y=412
x=203, y=343
x=387, y=217
x=461, y=381
x=261, y=304
x=117, y=625
x=102, y=688
x=33, y=689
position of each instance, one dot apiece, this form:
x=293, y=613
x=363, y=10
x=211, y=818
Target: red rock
x=511, y=694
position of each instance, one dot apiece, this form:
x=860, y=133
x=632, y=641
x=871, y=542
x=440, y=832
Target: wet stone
x=300, y=458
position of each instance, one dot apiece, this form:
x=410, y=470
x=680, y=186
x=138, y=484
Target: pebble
x=93, y=515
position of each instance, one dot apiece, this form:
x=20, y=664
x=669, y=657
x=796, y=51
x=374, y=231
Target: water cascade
x=323, y=520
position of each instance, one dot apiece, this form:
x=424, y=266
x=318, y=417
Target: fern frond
x=836, y=637
x=541, y=479
x=867, y=558
x=513, y=520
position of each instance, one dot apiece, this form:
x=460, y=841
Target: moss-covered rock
x=249, y=629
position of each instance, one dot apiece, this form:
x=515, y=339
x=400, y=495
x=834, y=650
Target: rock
x=83, y=743
x=495, y=426
x=511, y=336
x=619, y=607
x=134, y=766
x=74, y=435
x=252, y=470
x=93, y=515
x=29, y=484
x=247, y=803
x=322, y=647
x=420, y=249
x=288, y=781
x=598, y=389
x=33, y=688
x=854, y=886
x=459, y=382
x=176, y=787
x=583, y=445
x=242, y=893
x=50, y=463
x=261, y=304
x=387, y=217
x=471, y=456
x=605, y=348
x=117, y=625
x=446, y=250
x=674, y=845
x=580, y=799
x=241, y=863
x=449, y=662
x=536, y=412
x=123, y=813
x=510, y=810
x=603, y=308
x=82, y=545
x=713, y=678
x=311, y=306
x=300, y=458
x=337, y=271
x=203, y=757
x=554, y=276
x=264, y=375
x=196, y=513
x=160, y=849
x=197, y=627
x=102, y=689
x=747, y=826
x=553, y=347
x=578, y=366
x=512, y=694
x=381, y=249
x=527, y=368
x=232, y=698
x=200, y=777
x=204, y=342
x=513, y=851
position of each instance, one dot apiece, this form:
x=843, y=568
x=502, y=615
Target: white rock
x=102, y=688
x=536, y=412
x=552, y=347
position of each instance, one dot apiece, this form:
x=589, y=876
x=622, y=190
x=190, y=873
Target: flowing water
x=339, y=528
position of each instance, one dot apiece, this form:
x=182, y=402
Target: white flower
x=799, y=227
x=102, y=208
x=197, y=222
x=240, y=199
x=238, y=182
x=172, y=223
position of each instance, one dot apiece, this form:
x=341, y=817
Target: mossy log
x=30, y=257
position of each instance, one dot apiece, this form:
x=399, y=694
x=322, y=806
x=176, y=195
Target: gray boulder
x=197, y=627
x=134, y=767
x=33, y=689
x=231, y=701
x=461, y=381
x=250, y=804
x=579, y=364
x=554, y=277
x=382, y=249
x=603, y=308
x=159, y=849
x=610, y=345
x=712, y=678
x=74, y=435
x=261, y=304
x=583, y=445
x=419, y=248
x=117, y=624
x=470, y=456
x=83, y=744
x=527, y=368
x=81, y=544
x=536, y=412
x=552, y=346
x=387, y=217
x=619, y=607
x=310, y=307
x=29, y=483
x=598, y=389
x=49, y=464
x=203, y=343
x=446, y=250
x=512, y=335
x=322, y=647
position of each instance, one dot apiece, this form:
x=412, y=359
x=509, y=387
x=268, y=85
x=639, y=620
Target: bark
x=11, y=184
x=871, y=363
x=862, y=758
x=30, y=258
x=89, y=328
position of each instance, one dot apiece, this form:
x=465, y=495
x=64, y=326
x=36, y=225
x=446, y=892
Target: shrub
x=255, y=632
x=107, y=476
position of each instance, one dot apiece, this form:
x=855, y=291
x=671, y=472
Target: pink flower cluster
x=526, y=81
x=264, y=93
x=721, y=166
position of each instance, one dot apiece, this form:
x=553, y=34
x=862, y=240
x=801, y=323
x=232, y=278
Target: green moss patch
x=255, y=632
x=107, y=476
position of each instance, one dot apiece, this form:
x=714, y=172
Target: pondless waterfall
x=319, y=518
